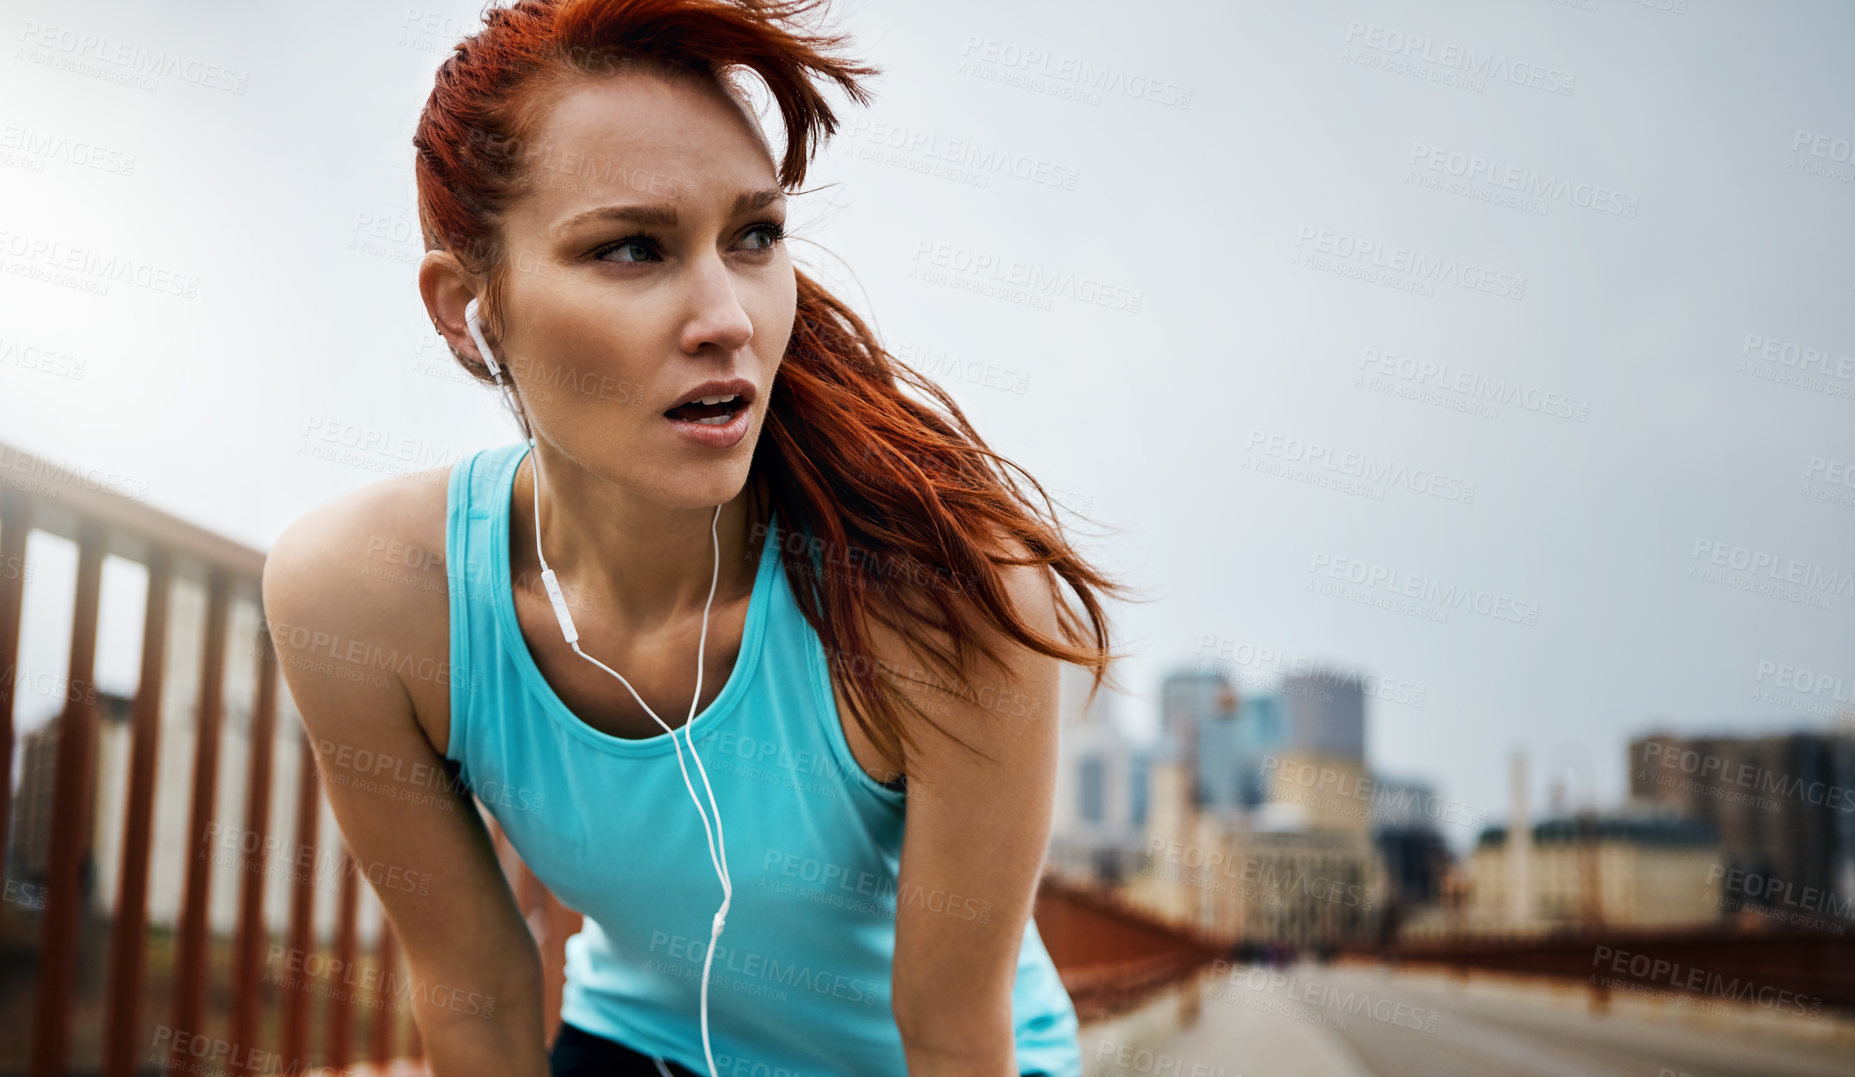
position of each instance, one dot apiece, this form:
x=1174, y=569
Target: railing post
x=253, y=933
x=15, y=525
x=195, y=924
x=72, y=804
x=122, y=1017
x=339, y=1015
x=295, y=1038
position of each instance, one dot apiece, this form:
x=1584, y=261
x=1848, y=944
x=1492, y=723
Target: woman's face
x=645, y=260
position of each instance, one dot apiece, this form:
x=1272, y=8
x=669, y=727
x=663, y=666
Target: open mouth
x=709, y=410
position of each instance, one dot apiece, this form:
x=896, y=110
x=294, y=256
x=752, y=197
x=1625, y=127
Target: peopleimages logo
x=1646, y=970
x=41, y=146
x=1828, y=147
x=1483, y=388
x=214, y=1054
x=367, y=985
x=1264, y=664
x=1804, y=358
x=1332, y=784
x=1327, y=999
x=1261, y=879
x=57, y=364
x=1346, y=247
x=131, y=60
x=1717, y=769
x=16, y=462
x=933, y=261
x=732, y=963
x=983, y=158
x=1811, y=584
x=884, y=889
x=1774, y=891
x=1359, y=465
x=1081, y=75
x=1465, y=59
x=1131, y=1059
x=92, y=268
x=1521, y=180
x=1805, y=681
x=1427, y=589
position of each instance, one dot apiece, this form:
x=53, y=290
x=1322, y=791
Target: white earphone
x=572, y=634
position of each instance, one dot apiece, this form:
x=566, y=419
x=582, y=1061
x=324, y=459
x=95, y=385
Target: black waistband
x=579, y=1053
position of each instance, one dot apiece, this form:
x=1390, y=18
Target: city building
x=1262, y=824
x=1262, y=732
x=1101, y=785
x=1311, y=791
x=1259, y=830
x=1325, y=713
x=1198, y=721
x=1277, y=874
x=1783, y=807
x=1404, y=830
x=1232, y=734
x=1593, y=870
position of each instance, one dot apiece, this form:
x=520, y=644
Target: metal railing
x=1724, y=961
x=39, y=495
x=243, y=1007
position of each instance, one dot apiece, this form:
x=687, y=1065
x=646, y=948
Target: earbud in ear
x=476, y=333
x=472, y=323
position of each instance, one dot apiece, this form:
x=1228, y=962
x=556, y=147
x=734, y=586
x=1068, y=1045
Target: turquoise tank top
x=800, y=983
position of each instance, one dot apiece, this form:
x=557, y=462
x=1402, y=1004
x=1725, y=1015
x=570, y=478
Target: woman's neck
x=642, y=563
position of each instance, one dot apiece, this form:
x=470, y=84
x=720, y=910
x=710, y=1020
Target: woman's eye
x=632, y=243
x=773, y=230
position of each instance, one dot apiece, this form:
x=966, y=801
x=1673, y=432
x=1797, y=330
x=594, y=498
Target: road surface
x=1343, y=1021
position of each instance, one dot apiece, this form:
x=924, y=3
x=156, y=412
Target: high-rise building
x=1279, y=874
x=1262, y=734
x=1783, y=807
x=1222, y=759
x=1230, y=735
x=1101, y=785
x=1325, y=713
x=1266, y=825
x=1225, y=734
x=1196, y=707
x=1404, y=828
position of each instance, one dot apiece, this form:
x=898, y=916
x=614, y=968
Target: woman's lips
x=714, y=435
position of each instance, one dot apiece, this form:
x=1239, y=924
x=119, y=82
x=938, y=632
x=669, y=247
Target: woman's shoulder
x=369, y=566
x=358, y=537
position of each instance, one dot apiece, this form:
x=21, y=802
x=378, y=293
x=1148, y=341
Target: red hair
x=880, y=493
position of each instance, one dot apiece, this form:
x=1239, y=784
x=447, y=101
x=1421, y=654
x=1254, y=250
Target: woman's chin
x=704, y=487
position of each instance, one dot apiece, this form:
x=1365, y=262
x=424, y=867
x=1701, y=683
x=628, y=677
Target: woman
x=713, y=447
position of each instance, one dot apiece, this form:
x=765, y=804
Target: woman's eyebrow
x=664, y=216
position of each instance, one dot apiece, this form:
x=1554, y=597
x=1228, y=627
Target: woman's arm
x=973, y=848
x=475, y=979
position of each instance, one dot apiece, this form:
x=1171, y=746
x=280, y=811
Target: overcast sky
x=1261, y=250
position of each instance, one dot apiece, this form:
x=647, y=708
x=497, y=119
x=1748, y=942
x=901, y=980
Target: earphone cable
x=719, y=860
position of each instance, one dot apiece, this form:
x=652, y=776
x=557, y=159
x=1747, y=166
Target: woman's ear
x=447, y=289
